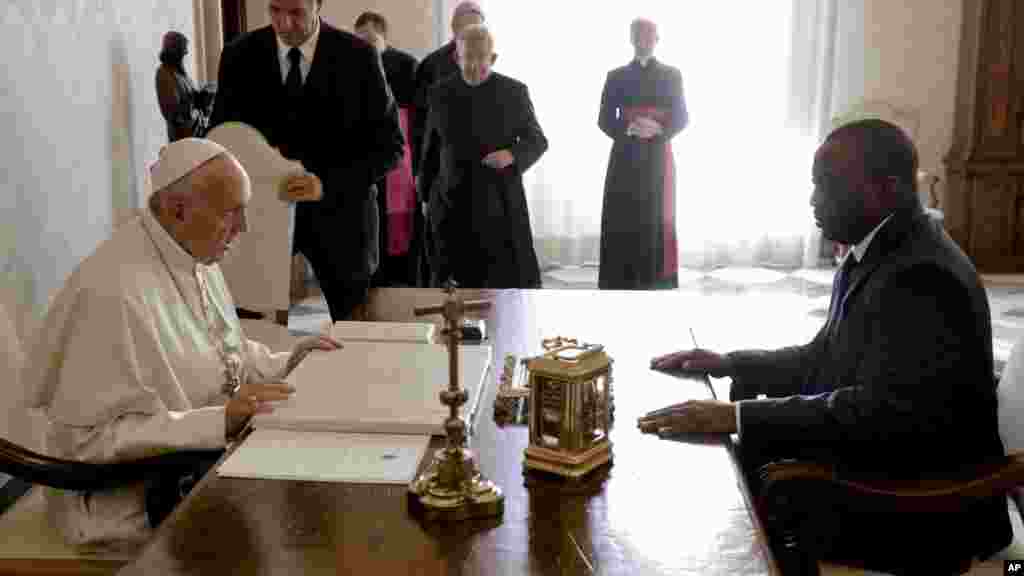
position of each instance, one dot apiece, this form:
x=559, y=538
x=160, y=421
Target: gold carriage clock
x=570, y=409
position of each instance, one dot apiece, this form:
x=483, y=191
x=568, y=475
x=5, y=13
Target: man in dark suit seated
x=899, y=381
x=319, y=95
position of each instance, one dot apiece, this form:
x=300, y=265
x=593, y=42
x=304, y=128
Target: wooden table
x=665, y=508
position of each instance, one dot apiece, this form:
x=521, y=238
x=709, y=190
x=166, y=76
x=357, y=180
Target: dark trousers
x=343, y=288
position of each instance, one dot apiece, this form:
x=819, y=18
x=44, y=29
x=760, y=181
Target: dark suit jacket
x=437, y=66
x=909, y=374
x=350, y=138
x=400, y=70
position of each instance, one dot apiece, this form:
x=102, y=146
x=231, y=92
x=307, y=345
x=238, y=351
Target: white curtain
x=762, y=81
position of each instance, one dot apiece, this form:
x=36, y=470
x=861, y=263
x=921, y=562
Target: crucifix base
x=452, y=489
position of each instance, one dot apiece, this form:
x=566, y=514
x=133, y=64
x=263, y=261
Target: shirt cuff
x=738, y=420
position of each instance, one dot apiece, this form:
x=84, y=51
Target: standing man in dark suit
x=319, y=95
x=397, y=191
x=437, y=66
x=898, y=382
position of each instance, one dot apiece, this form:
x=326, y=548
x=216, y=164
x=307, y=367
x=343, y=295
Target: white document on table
x=382, y=388
x=275, y=454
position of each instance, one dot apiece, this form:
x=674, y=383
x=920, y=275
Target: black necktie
x=294, y=81
x=293, y=88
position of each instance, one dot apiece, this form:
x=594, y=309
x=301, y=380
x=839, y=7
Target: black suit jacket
x=350, y=137
x=908, y=374
x=400, y=71
x=437, y=66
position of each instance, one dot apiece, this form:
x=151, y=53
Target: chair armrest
x=85, y=476
x=899, y=496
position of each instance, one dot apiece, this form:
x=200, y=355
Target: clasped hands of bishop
x=499, y=159
x=644, y=128
x=692, y=416
x=253, y=398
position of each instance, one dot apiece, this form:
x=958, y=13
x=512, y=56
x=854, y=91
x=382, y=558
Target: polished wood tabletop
x=664, y=507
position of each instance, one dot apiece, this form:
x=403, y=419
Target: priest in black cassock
x=396, y=191
x=642, y=109
x=437, y=66
x=482, y=135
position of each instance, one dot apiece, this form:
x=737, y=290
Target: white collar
x=176, y=256
x=861, y=248
x=308, y=48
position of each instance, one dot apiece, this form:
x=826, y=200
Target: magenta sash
x=401, y=196
x=670, y=261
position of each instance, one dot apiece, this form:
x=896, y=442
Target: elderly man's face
x=843, y=193
x=294, y=20
x=216, y=215
x=475, y=60
x=645, y=38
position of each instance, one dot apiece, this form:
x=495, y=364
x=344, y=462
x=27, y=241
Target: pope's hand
x=695, y=361
x=307, y=345
x=253, y=398
x=499, y=160
x=691, y=417
x=302, y=187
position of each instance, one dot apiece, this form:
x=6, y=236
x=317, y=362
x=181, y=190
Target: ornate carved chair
x=788, y=483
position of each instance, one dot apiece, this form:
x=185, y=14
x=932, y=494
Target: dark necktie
x=293, y=88
x=836, y=312
x=294, y=81
x=841, y=284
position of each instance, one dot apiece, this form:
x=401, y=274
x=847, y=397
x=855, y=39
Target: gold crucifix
x=452, y=487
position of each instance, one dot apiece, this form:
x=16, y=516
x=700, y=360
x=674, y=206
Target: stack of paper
x=363, y=413
x=422, y=332
x=368, y=387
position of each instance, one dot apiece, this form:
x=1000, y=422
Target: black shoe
x=244, y=314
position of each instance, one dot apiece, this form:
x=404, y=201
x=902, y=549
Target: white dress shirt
x=858, y=251
x=308, y=50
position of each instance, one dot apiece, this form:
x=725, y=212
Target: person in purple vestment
x=397, y=191
x=642, y=109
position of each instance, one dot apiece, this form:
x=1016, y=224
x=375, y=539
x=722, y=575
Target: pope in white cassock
x=142, y=353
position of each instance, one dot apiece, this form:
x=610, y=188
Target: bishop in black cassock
x=642, y=109
x=482, y=135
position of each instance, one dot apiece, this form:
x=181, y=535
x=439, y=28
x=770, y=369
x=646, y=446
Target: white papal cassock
x=130, y=362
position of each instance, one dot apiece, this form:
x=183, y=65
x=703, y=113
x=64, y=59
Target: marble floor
x=806, y=291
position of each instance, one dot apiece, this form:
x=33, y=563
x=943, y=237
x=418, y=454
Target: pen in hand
x=707, y=380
